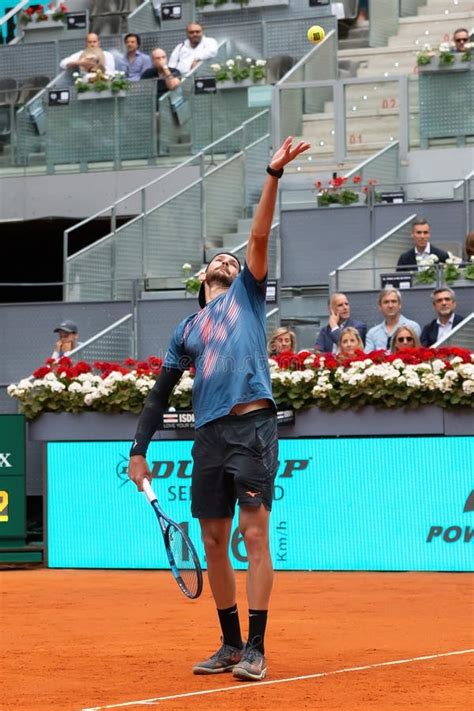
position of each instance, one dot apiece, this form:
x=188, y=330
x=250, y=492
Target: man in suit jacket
x=420, y=255
x=339, y=319
x=444, y=303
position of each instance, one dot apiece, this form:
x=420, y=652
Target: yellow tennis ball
x=316, y=34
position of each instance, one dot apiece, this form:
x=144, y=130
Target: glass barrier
x=214, y=196
x=375, y=271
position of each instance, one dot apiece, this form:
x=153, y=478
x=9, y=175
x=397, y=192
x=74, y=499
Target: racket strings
x=184, y=559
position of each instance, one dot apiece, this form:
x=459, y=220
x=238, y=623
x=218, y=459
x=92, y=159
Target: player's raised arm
x=257, y=248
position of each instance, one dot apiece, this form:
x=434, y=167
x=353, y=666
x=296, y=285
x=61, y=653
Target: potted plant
x=429, y=269
x=451, y=269
x=240, y=71
x=100, y=82
x=468, y=272
x=336, y=192
x=192, y=282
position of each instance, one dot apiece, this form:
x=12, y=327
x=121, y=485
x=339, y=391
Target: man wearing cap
x=67, y=339
x=235, y=449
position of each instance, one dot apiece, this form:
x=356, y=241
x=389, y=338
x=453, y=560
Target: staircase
x=372, y=110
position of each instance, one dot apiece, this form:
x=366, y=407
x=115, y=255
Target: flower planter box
x=107, y=94
x=229, y=84
x=435, y=66
x=44, y=25
x=232, y=6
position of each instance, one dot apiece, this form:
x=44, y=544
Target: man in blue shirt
x=134, y=63
x=390, y=304
x=235, y=449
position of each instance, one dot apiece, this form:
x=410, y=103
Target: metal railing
x=114, y=343
x=211, y=200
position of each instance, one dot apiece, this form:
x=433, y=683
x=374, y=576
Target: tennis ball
x=316, y=34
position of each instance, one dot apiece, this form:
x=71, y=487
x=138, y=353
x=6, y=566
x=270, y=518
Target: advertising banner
x=401, y=503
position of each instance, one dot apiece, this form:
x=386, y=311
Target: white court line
x=258, y=684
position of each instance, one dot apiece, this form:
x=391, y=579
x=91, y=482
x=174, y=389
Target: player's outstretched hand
x=286, y=153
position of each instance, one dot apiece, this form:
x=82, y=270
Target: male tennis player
x=235, y=450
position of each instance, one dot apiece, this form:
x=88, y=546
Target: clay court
x=74, y=640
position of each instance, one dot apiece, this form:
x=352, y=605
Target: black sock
x=257, y=625
x=230, y=625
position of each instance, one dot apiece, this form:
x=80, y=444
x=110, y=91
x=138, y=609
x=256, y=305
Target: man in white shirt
x=390, y=304
x=78, y=62
x=187, y=55
x=444, y=304
x=421, y=255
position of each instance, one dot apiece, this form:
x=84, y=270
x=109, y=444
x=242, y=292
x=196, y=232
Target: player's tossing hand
x=287, y=152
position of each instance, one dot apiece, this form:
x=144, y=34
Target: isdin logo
x=453, y=534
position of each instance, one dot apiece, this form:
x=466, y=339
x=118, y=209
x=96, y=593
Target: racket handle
x=148, y=491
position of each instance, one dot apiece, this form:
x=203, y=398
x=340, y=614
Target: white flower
x=248, y=60
x=452, y=259
x=238, y=58
x=444, y=47
x=75, y=75
x=216, y=67
x=230, y=63
x=187, y=267
x=260, y=63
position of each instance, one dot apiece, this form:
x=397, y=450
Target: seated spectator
x=134, y=62
x=444, y=303
x=339, y=318
x=282, y=339
x=390, y=304
x=419, y=256
x=460, y=40
x=350, y=344
x=469, y=246
x=188, y=54
x=405, y=337
x=168, y=79
x=67, y=339
x=79, y=62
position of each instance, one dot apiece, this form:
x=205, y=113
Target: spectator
x=187, y=55
x=404, y=338
x=339, y=318
x=168, y=79
x=390, y=304
x=134, y=62
x=350, y=344
x=78, y=61
x=460, y=40
x=282, y=339
x=363, y=13
x=419, y=256
x=67, y=339
x=444, y=303
x=469, y=246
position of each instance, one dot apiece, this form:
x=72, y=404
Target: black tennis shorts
x=235, y=458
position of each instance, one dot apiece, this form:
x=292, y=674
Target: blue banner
x=340, y=504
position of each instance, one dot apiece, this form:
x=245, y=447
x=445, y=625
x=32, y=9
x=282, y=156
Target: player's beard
x=219, y=278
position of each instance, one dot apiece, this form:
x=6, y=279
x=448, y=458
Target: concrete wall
x=83, y=194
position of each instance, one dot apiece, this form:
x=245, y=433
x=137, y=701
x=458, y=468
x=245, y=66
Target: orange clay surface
x=73, y=640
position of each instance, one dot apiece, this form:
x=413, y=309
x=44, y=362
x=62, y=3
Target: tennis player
x=235, y=452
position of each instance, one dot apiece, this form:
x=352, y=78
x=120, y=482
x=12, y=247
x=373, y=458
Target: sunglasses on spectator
x=461, y=39
x=404, y=339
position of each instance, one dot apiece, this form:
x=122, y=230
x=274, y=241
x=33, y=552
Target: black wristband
x=274, y=173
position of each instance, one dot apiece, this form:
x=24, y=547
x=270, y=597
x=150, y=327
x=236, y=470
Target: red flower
x=318, y=184
x=131, y=362
x=356, y=179
x=82, y=367
x=41, y=372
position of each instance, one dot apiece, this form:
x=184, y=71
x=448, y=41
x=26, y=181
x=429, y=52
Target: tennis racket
x=182, y=556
